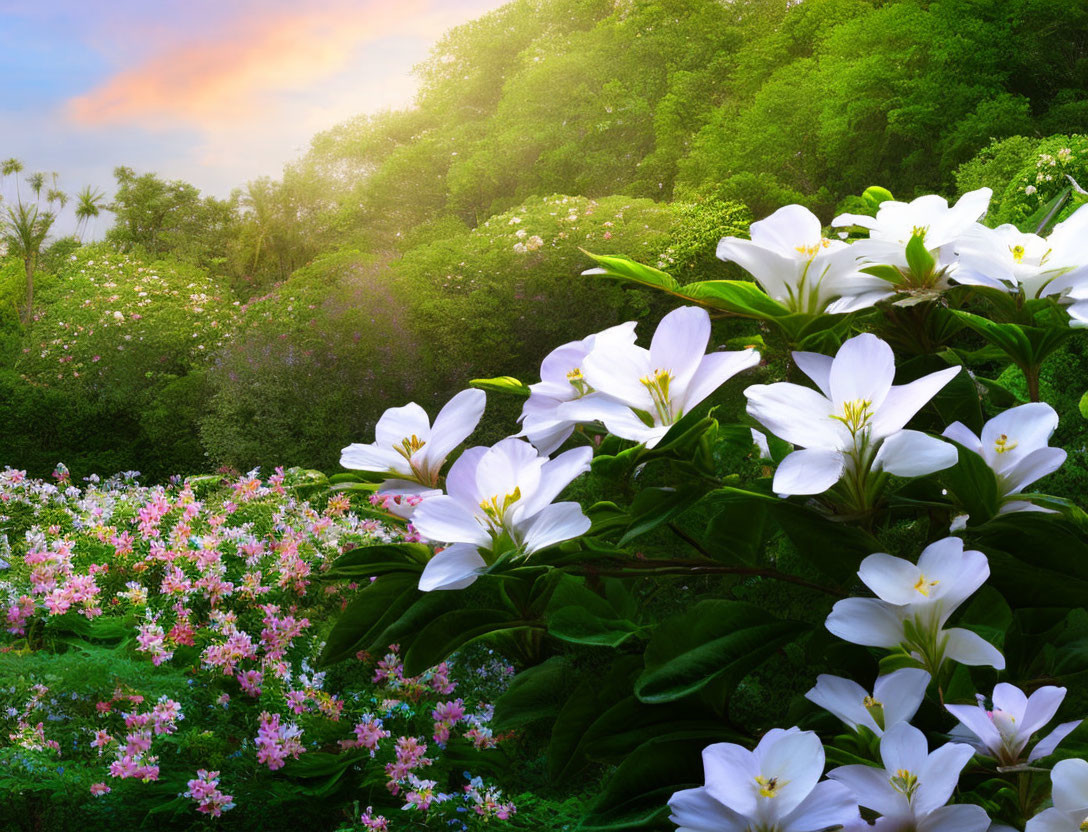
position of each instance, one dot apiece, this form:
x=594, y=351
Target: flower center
x=578, y=382
x=495, y=510
x=1083, y=825
x=658, y=385
x=855, y=415
x=814, y=249
x=876, y=710
x=923, y=586
x=769, y=786
x=409, y=445
x=1003, y=445
x=1017, y=253
x=905, y=782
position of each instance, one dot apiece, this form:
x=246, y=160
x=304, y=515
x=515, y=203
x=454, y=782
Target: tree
x=89, y=204
x=26, y=227
x=12, y=167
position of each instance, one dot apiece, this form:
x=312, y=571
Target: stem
x=682, y=567
x=1031, y=376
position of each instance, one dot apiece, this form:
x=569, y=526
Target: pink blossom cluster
x=276, y=742
x=205, y=791
x=368, y=734
x=31, y=736
x=410, y=754
x=446, y=715
x=487, y=802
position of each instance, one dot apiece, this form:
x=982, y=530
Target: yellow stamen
x=905, y=783
x=1017, y=253
x=409, y=445
x=769, y=787
x=876, y=710
x=1003, y=445
x=658, y=385
x=814, y=249
x=855, y=415
x=578, y=382
x=495, y=510
x=923, y=586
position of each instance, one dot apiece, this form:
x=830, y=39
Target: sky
x=214, y=92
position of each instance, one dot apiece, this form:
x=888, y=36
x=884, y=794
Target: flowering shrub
x=159, y=655
x=683, y=616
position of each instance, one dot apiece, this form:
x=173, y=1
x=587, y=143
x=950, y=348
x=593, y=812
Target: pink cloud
x=230, y=77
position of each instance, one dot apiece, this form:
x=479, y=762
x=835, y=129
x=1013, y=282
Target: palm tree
x=58, y=196
x=11, y=167
x=37, y=182
x=89, y=204
x=25, y=229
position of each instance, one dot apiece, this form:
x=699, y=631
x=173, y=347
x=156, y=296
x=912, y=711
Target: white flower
x=896, y=222
x=895, y=698
x=911, y=792
x=499, y=498
x=407, y=447
x=1014, y=445
x=774, y=788
x=854, y=423
x=1004, y=732
x=914, y=602
x=1070, y=794
x=1019, y=261
x=799, y=267
x=641, y=393
x=562, y=380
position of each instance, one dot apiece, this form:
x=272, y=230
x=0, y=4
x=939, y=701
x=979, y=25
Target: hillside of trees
x=409, y=250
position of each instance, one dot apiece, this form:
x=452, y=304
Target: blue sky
x=215, y=93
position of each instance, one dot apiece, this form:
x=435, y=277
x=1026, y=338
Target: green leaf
x=739, y=297
x=372, y=609
x=655, y=506
x=1082, y=405
x=534, y=695
x=715, y=640
x=973, y=483
x=637, y=793
x=578, y=625
x=367, y=561
x=451, y=631
x=502, y=384
x=624, y=268
x=919, y=259
x=874, y=195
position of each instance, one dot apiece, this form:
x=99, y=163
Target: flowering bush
x=684, y=614
x=159, y=655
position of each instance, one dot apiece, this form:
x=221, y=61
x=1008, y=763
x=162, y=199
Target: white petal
x=939, y=775
x=776, y=273
x=446, y=520
x=453, y=568
x=615, y=369
x=845, y=699
x=959, y=818
x=694, y=810
x=976, y=720
x=797, y=414
x=1032, y=467
x=1041, y=707
x=679, y=343
x=1052, y=820
x=905, y=400
x=797, y=762
x=461, y=479
x=715, y=369
x=817, y=367
x=904, y=747
x=360, y=457
x=829, y=806
x=1045, y=747
x=555, y=475
x=972, y=649
x=400, y=423
x=871, y=788
x=901, y=693
x=810, y=471
x=617, y=417
x=730, y=776
x=1029, y=426
x=786, y=229
x=556, y=523
x=452, y=426
x=911, y=453
x=1012, y=700
x=508, y=466
x=863, y=370
x=1070, y=790
x=890, y=578
x=959, y=432
x=866, y=621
